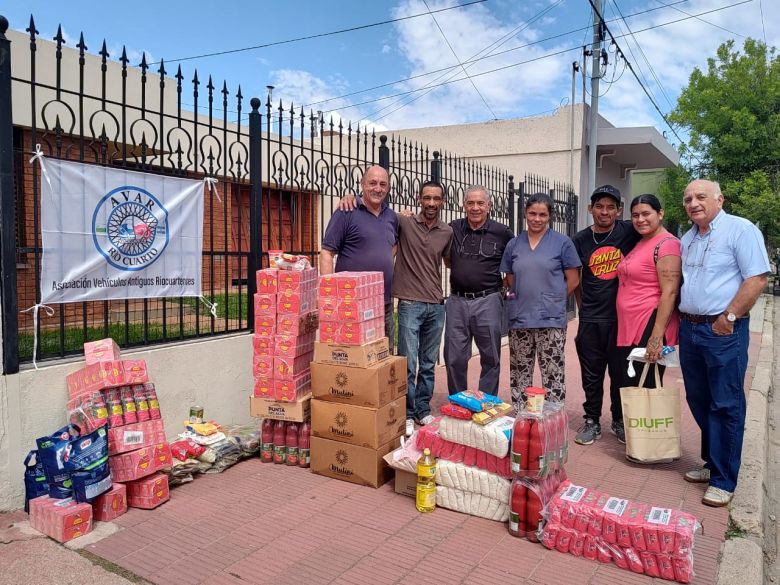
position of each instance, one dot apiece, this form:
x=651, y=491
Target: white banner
x=117, y=234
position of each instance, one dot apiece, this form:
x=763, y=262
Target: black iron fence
x=280, y=172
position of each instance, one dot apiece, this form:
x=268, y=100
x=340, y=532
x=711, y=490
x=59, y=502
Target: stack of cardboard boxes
x=358, y=389
x=285, y=330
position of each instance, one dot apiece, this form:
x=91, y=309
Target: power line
x=472, y=60
x=552, y=37
x=763, y=27
x=701, y=19
x=454, y=54
x=319, y=35
x=647, y=61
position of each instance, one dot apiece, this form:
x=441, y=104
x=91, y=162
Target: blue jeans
x=419, y=337
x=713, y=368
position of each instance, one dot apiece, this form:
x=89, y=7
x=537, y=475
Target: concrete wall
x=214, y=373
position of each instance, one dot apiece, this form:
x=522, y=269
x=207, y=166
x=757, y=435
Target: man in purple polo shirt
x=365, y=240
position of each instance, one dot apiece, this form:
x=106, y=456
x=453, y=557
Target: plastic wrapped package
x=528, y=499
x=247, y=437
x=226, y=454
x=492, y=438
x=540, y=442
x=428, y=436
x=474, y=400
x=473, y=480
x=645, y=539
x=471, y=503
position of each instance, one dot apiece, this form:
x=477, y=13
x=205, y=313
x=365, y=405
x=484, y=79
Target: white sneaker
x=426, y=420
x=409, y=427
x=716, y=497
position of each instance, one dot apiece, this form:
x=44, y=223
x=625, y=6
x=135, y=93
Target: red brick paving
x=263, y=523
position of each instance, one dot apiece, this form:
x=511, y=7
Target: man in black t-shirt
x=601, y=247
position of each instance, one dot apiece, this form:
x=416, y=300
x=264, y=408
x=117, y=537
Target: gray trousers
x=482, y=321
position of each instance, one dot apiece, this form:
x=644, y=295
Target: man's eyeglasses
x=694, y=259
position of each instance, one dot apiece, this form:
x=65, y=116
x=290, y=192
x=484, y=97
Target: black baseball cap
x=608, y=191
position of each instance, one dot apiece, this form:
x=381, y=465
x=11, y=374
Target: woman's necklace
x=595, y=241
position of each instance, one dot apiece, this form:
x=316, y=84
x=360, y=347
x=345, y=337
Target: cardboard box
x=371, y=387
x=406, y=483
x=267, y=280
x=264, y=387
x=350, y=463
x=107, y=374
x=360, y=333
x=290, y=390
x=297, y=280
x=296, y=303
x=132, y=465
x=357, y=310
x=62, y=520
x=292, y=346
x=265, y=325
x=149, y=492
x=265, y=304
x=104, y=350
x=262, y=366
x=288, y=368
x=163, y=458
x=111, y=504
x=355, y=356
x=263, y=345
x=349, y=281
x=292, y=324
x=329, y=331
x=357, y=425
x=135, y=436
x=297, y=411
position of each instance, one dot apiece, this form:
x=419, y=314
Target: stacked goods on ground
x=285, y=327
x=657, y=542
x=358, y=389
x=540, y=447
x=208, y=447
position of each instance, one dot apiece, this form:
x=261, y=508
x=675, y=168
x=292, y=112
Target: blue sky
x=320, y=69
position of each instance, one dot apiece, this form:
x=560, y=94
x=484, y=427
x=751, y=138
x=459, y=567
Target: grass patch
x=110, y=567
x=225, y=303
x=734, y=532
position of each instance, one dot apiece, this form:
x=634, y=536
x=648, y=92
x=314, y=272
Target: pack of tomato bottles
x=538, y=451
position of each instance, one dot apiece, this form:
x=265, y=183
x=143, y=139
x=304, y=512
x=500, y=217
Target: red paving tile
x=260, y=523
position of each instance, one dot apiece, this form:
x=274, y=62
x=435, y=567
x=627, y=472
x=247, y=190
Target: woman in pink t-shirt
x=649, y=282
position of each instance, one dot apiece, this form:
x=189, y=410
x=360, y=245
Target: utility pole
x=595, y=74
x=574, y=68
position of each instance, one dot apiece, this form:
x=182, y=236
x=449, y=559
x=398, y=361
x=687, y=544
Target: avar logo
x=130, y=228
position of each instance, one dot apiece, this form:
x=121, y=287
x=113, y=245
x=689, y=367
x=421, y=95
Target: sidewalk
x=264, y=523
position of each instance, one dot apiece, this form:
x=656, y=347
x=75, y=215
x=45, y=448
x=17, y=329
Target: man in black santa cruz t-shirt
x=601, y=247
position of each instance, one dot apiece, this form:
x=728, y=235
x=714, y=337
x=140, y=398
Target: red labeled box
x=365, y=291
x=328, y=287
x=134, y=436
x=62, y=520
x=263, y=345
x=149, y=492
x=267, y=281
x=262, y=366
x=289, y=346
x=104, y=350
x=135, y=372
x=328, y=309
x=163, y=459
x=360, y=333
x=297, y=280
x=265, y=325
x=132, y=465
x=265, y=304
x=296, y=302
x=95, y=377
x=289, y=368
x=291, y=390
x=329, y=331
x=263, y=387
x=291, y=324
x=110, y=504
x=357, y=310
x=349, y=281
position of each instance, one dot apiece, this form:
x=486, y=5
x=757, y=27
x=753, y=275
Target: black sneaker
x=619, y=431
x=588, y=433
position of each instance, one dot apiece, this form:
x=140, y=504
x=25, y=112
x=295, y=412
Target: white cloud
x=386, y=49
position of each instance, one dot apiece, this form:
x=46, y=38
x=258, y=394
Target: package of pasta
x=635, y=536
x=475, y=400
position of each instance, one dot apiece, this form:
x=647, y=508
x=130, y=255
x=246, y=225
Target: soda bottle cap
x=426, y=451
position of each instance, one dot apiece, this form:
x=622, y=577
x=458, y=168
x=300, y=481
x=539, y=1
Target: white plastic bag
x=669, y=358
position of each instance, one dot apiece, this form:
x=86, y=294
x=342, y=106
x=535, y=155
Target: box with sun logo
x=372, y=387
x=357, y=425
x=360, y=465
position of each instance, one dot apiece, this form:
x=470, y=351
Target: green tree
x=670, y=192
x=732, y=114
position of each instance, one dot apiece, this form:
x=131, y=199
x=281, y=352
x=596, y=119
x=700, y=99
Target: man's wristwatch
x=730, y=317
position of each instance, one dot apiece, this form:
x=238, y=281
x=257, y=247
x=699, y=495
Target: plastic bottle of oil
x=426, y=482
